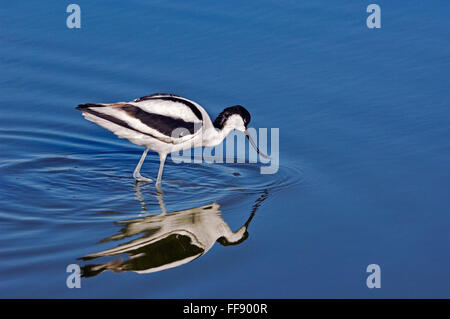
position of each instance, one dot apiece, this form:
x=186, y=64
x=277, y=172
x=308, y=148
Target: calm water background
x=364, y=144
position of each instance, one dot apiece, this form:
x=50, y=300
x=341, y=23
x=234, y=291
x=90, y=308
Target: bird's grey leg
x=162, y=159
x=137, y=171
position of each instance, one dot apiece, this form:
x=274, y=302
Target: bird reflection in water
x=168, y=240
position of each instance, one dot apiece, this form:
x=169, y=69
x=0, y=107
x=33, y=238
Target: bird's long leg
x=162, y=159
x=137, y=171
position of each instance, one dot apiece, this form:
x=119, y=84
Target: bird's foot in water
x=141, y=179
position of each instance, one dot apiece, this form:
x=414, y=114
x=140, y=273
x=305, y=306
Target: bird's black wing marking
x=164, y=124
x=151, y=96
x=86, y=108
x=173, y=98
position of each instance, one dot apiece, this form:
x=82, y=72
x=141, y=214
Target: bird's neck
x=214, y=136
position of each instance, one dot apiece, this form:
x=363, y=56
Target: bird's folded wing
x=160, y=119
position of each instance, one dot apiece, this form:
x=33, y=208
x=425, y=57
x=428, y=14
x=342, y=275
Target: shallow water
x=364, y=150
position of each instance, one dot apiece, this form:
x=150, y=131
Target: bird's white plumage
x=138, y=132
x=133, y=122
x=122, y=132
x=172, y=109
x=160, y=143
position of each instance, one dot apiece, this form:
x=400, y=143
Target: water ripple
x=73, y=177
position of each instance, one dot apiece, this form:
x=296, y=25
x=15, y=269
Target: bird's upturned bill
x=254, y=145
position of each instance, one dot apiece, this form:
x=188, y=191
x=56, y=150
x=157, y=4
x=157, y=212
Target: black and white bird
x=166, y=123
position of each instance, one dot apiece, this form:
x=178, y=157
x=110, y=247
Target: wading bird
x=166, y=123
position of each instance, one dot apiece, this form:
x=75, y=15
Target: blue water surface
x=364, y=148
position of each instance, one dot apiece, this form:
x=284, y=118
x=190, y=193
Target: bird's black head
x=232, y=116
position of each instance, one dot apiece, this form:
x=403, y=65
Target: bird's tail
x=82, y=107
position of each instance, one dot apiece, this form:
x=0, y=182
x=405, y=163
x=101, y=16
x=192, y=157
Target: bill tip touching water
x=167, y=123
